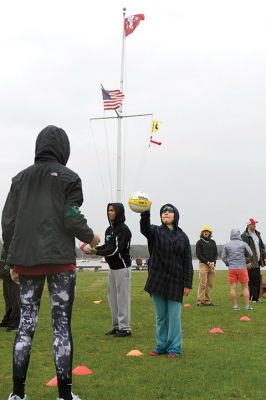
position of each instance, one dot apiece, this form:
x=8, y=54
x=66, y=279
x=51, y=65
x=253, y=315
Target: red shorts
x=238, y=275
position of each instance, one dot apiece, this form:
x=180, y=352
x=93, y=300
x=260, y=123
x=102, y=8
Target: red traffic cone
x=245, y=318
x=52, y=382
x=216, y=330
x=82, y=370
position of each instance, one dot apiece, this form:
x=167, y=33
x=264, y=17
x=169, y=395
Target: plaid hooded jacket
x=170, y=267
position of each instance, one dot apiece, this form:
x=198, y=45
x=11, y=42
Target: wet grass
x=212, y=367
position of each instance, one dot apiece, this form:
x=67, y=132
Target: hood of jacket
x=52, y=144
x=235, y=234
x=120, y=214
x=175, y=212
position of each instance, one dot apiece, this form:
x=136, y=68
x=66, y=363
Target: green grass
x=212, y=367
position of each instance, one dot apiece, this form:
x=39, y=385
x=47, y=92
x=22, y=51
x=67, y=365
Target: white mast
x=119, y=120
x=119, y=116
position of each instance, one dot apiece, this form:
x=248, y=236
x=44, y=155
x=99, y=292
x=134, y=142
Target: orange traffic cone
x=245, y=318
x=187, y=305
x=52, y=382
x=135, y=353
x=216, y=330
x=82, y=370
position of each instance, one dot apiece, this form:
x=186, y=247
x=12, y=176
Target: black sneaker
x=122, y=333
x=111, y=333
x=3, y=324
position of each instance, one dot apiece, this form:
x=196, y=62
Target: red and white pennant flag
x=132, y=22
x=155, y=141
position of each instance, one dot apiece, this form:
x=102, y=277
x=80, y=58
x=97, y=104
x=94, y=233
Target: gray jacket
x=236, y=253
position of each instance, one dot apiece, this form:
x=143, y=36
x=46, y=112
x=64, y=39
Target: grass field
x=212, y=367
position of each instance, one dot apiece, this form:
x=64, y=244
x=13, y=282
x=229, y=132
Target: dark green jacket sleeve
x=75, y=222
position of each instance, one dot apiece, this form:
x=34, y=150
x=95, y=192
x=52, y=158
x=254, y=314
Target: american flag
x=112, y=99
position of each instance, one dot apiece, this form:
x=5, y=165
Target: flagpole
x=119, y=120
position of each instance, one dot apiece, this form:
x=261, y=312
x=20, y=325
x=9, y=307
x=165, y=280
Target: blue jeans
x=168, y=325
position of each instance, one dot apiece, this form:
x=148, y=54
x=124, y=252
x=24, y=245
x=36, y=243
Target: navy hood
x=175, y=212
x=120, y=214
x=52, y=144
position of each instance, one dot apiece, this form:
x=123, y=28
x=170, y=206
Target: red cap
x=251, y=221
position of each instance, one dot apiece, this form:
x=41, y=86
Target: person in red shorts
x=236, y=255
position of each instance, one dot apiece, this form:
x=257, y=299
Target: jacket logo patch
x=54, y=173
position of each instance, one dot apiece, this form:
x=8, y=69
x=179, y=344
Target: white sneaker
x=15, y=397
x=74, y=397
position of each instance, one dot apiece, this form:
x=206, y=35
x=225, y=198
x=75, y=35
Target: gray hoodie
x=236, y=253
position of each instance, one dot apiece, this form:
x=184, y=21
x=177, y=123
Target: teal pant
x=168, y=325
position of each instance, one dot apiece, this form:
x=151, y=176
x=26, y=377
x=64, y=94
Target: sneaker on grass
x=236, y=308
x=74, y=397
x=15, y=397
x=122, y=333
x=248, y=308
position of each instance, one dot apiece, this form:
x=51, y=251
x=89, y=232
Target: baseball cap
x=251, y=221
x=206, y=228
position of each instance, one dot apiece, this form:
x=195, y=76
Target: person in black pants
x=11, y=318
x=253, y=238
x=40, y=221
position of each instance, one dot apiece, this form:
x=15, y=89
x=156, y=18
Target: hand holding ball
x=86, y=248
x=139, y=202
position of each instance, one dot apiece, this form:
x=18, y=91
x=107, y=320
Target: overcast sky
x=198, y=66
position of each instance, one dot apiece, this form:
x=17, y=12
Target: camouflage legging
x=61, y=289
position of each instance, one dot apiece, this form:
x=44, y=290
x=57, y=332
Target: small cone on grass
x=52, y=382
x=135, y=353
x=82, y=370
x=245, y=318
x=216, y=330
x=97, y=301
x=187, y=305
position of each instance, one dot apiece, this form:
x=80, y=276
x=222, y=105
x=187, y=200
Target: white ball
x=139, y=202
x=85, y=247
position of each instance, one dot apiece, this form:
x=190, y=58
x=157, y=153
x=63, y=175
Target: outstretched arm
x=145, y=225
x=75, y=222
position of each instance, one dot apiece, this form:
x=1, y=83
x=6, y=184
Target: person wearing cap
x=253, y=238
x=170, y=275
x=206, y=251
x=236, y=254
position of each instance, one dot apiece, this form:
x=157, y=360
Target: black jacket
x=41, y=216
x=206, y=250
x=170, y=267
x=116, y=248
x=255, y=262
